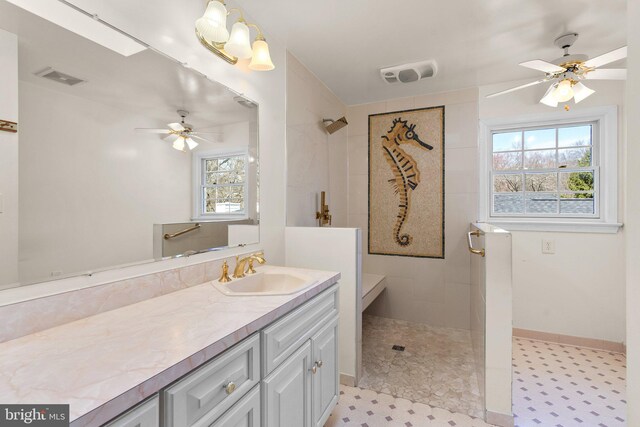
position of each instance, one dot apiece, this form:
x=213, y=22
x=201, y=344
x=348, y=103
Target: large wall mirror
x=122, y=159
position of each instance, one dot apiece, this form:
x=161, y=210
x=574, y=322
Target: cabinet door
x=287, y=392
x=325, y=381
x=146, y=414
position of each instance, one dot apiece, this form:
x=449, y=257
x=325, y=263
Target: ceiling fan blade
x=205, y=133
x=607, y=58
x=513, y=89
x=146, y=130
x=204, y=139
x=607, y=74
x=171, y=138
x=544, y=66
x=176, y=126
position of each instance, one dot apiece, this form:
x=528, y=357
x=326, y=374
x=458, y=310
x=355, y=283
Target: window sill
x=557, y=226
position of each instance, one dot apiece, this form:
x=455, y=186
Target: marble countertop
x=104, y=364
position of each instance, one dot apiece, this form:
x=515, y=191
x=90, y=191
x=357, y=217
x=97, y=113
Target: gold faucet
x=224, y=277
x=323, y=216
x=238, y=272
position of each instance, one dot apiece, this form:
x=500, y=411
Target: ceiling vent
x=60, y=77
x=408, y=73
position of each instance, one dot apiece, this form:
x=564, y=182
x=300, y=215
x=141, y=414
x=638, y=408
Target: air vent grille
x=59, y=77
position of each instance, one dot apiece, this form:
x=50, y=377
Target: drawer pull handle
x=319, y=363
x=314, y=368
x=230, y=388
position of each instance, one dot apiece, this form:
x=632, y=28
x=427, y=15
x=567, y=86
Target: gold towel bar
x=180, y=233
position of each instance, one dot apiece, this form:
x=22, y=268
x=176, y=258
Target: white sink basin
x=267, y=281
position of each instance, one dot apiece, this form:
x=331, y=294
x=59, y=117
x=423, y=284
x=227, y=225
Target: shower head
x=334, y=125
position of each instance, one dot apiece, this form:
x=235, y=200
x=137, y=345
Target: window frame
x=604, y=163
x=199, y=158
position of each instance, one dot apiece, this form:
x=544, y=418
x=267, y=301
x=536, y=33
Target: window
x=221, y=188
x=545, y=172
x=551, y=172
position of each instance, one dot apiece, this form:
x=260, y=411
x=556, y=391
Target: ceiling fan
x=182, y=134
x=568, y=72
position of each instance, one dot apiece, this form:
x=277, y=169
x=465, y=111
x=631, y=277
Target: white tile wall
x=419, y=289
x=315, y=161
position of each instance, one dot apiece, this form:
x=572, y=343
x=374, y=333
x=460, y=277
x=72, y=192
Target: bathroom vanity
x=194, y=357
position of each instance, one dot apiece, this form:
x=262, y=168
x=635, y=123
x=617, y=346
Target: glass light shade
x=212, y=26
x=178, y=144
x=581, y=92
x=261, y=59
x=564, y=91
x=548, y=98
x=239, y=44
x=191, y=143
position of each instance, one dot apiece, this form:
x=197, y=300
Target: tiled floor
x=366, y=408
x=560, y=385
x=554, y=385
x=436, y=368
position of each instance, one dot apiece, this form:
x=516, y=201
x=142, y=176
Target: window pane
x=574, y=157
x=574, y=136
x=577, y=203
x=577, y=181
x=541, y=203
x=541, y=182
x=539, y=138
x=507, y=161
x=212, y=178
x=540, y=159
x=209, y=200
x=211, y=165
x=508, y=203
x=508, y=141
x=507, y=183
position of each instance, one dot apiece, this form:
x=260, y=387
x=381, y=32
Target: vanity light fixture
x=211, y=30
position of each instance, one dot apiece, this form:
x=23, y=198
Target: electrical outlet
x=548, y=246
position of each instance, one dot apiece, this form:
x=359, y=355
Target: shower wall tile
x=316, y=161
x=432, y=291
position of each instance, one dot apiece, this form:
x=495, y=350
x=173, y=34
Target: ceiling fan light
x=191, y=143
x=581, y=92
x=212, y=26
x=239, y=44
x=261, y=59
x=548, y=98
x=564, y=91
x=178, y=144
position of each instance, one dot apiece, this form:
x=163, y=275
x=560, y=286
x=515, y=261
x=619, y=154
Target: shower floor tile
x=563, y=385
x=436, y=368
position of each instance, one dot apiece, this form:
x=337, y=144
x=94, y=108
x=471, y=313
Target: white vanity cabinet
x=286, y=375
x=301, y=390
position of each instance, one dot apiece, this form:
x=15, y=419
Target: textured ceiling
x=475, y=42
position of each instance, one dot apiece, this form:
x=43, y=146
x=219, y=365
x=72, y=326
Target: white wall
x=8, y=159
x=579, y=290
x=335, y=249
x=424, y=290
x=632, y=228
x=89, y=197
x=316, y=161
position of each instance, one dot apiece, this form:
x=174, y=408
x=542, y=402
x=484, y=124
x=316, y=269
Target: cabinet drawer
x=201, y=397
x=146, y=414
x=245, y=413
x=286, y=335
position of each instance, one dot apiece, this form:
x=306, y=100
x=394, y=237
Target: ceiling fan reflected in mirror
x=569, y=71
x=181, y=135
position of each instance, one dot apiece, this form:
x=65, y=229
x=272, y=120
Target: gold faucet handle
x=250, y=269
x=224, y=277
